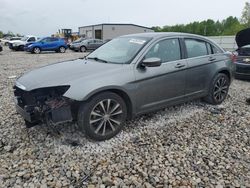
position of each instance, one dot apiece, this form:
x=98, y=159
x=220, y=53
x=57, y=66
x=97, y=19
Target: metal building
x=107, y=31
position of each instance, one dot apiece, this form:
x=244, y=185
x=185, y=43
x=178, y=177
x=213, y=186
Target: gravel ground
x=189, y=145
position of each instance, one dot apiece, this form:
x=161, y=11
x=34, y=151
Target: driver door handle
x=179, y=65
x=211, y=59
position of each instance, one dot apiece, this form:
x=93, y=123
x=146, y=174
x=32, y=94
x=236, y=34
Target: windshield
x=120, y=50
x=42, y=39
x=78, y=40
x=247, y=46
x=24, y=38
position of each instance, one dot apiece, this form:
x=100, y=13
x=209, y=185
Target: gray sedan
x=86, y=44
x=125, y=77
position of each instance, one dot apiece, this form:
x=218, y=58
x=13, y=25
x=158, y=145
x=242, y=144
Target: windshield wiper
x=97, y=59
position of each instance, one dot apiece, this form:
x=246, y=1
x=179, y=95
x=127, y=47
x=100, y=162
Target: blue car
x=47, y=44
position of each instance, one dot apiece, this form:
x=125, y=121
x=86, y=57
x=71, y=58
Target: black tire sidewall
x=82, y=49
x=37, y=48
x=210, y=98
x=60, y=49
x=21, y=48
x=86, y=108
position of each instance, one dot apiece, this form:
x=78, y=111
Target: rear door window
x=195, y=48
x=166, y=50
x=215, y=50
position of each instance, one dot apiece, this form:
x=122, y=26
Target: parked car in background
x=19, y=44
x=125, y=77
x=13, y=38
x=76, y=41
x=243, y=59
x=47, y=44
x=1, y=48
x=86, y=44
x=5, y=41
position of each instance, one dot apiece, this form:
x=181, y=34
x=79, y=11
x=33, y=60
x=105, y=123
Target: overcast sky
x=45, y=17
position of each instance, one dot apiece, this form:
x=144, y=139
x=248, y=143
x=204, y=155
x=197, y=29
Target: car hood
x=64, y=73
x=243, y=37
x=16, y=41
x=77, y=44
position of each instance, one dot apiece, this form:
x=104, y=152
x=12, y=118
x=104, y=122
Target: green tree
x=228, y=26
x=245, y=18
x=1, y=34
x=156, y=28
x=10, y=33
x=231, y=26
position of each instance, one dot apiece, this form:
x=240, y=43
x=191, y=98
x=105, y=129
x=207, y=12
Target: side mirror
x=151, y=62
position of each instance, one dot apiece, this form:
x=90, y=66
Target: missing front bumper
x=53, y=116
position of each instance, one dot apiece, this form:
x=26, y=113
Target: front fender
x=83, y=89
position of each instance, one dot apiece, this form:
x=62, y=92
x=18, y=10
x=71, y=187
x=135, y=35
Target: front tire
x=62, y=49
x=36, y=50
x=21, y=48
x=218, y=90
x=103, y=116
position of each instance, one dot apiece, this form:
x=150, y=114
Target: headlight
x=20, y=86
x=57, y=90
x=30, y=45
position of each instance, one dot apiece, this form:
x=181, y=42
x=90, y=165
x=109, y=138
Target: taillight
x=233, y=57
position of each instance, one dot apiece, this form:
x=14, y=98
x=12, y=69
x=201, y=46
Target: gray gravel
x=189, y=145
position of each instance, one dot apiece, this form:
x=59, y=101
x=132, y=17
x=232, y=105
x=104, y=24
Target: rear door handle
x=179, y=65
x=211, y=59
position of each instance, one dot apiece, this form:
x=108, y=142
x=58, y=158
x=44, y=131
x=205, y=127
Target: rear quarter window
x=216, y=50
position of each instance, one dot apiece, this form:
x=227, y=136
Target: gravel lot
x=189, y=145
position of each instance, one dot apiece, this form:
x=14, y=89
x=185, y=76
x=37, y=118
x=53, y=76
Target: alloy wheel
x=82, y=49
x=220, y=89
x=62, y=49
x=37, y=50
x=106, y=117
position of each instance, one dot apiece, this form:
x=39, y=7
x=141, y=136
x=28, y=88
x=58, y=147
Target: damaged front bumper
x=45, y=105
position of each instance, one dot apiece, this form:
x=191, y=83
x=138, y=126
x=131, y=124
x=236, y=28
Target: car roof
x=163, y=34
x=159, y=35
x=51, y=37
x=30, y=36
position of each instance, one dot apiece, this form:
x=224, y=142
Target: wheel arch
x=84, y=47
x=33, y=48
x=226, y=72
x=124, y=95
x=36, y=47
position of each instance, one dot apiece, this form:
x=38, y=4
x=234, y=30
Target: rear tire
x=218, y=89
x=103, y=116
